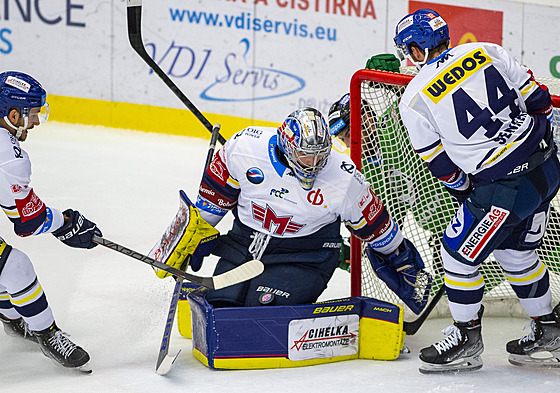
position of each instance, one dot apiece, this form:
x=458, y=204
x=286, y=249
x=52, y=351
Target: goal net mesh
x=418, y=202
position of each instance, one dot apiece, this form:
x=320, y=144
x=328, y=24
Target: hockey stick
x=134, y=20
x=411, y=328
x=164, y=361
x=241, y=273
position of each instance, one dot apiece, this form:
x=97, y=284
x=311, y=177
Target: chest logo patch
x=255, y=175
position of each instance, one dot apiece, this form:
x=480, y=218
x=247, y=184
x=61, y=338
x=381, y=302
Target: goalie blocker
x=289, y=336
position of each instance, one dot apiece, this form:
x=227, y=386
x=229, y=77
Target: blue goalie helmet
x=305, y=141
x=424, y=28
x=23, y=92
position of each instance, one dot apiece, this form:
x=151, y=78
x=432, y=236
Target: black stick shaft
x=134, y=19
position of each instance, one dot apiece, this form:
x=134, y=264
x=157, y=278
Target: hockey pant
x=507, y=217
x=296, y=270
x=21, y=294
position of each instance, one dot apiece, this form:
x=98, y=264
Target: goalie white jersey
x=247, y=174
x=489, y=131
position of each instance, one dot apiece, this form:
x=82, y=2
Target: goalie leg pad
x=293, y=336
x=404, y=275
x=188, y=236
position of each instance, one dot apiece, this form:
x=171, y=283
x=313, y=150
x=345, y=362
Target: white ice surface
x=115, y=307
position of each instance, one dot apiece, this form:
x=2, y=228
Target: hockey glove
x=403, y=273
x=197, y=238
x=77, y=231
x=384, y=62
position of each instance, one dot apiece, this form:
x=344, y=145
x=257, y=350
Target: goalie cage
x=417, y=200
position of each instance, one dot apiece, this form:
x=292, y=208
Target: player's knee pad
x=470, y=238
x=18, y=272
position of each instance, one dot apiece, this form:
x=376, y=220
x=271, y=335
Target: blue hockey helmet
x=24, y=93
x=305, y=141
x=424, y=28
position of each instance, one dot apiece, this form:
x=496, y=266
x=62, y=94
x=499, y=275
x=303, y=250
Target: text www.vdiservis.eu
x=244, y=21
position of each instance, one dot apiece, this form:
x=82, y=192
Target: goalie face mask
x=305, y=141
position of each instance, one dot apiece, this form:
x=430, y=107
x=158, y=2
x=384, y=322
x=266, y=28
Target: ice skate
x=56, y=345
x=17, y=328
x=541, y=347
x=459, y=351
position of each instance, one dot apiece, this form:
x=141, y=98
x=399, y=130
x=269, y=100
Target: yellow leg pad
x=380, y=340
x=293, y=336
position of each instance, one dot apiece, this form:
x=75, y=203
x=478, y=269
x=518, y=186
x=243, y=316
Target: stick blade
x=244, y=272
x=165, y=366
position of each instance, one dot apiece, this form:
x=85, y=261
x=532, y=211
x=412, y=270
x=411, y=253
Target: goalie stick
x=411, y=328
x=241, y=273
x=134, y=21
x=165, y=361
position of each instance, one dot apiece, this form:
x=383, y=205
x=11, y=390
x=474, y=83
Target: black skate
x=17, y=328
x=459, y=351
x=56, y=345
x=541, y=347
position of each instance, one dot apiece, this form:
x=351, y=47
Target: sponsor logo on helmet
x=337, y=127
x=18, y=83
x=437, y=23
x=406, y=22
x=459, y=71
x=255, y=175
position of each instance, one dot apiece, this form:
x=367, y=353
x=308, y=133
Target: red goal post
x=381, y=150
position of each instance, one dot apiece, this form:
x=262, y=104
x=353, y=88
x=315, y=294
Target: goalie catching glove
x=189, y=238
x=403, y=273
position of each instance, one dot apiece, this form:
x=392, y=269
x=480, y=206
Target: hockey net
x=417, y=200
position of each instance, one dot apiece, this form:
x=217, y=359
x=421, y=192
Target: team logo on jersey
x=347, y=167
x=30, y=207
x=371, y=206
x=315, y=197
x=458, y=72
x=255, y=175
x=15, y=188
x=273, y=223
x=218, y=169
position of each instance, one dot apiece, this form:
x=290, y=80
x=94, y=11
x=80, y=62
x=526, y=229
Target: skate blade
x=84, y=369
x=460, y=365
x=543, y=359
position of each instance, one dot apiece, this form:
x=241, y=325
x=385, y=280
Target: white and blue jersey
x=454, y=124
x=23, y=207
x=246, y=174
